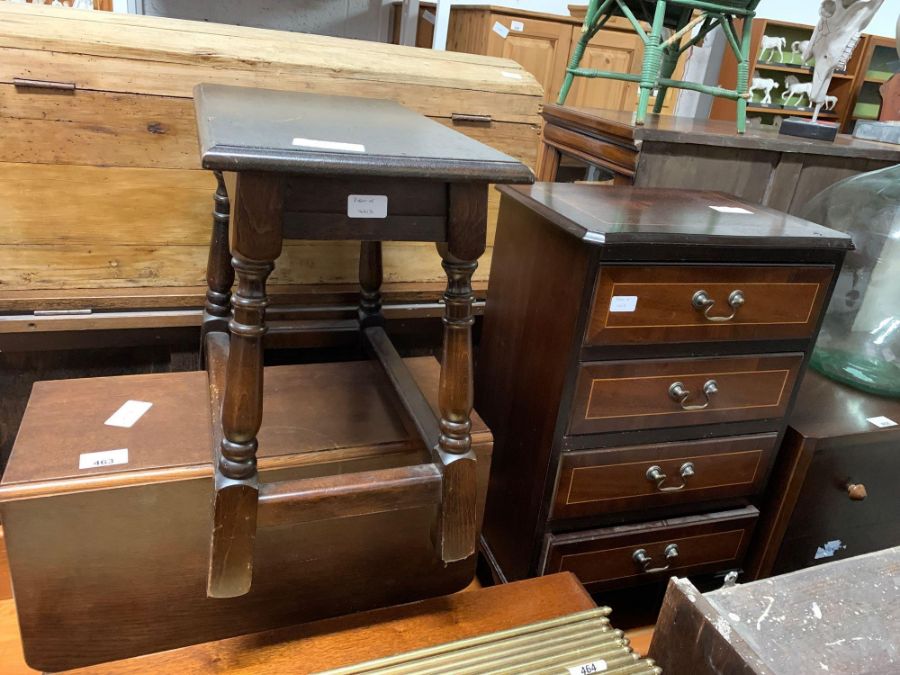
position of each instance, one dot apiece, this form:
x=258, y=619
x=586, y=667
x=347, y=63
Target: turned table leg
x=219, y=273
x=370, y=278
x=255, y=244
x=465, y=243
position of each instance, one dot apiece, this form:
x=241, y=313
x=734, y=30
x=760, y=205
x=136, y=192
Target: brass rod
x=644, y=667
x=581, y=654
x=464, y=655
x=497, y=636
x=555, y=650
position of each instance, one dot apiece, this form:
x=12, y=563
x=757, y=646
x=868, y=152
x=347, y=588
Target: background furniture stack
x=856, y=88
x=543, y=44
x=96, y=113
x=833, y=492
x=640, y=352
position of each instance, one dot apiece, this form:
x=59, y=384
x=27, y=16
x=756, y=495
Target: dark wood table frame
x=761, y=166
x=436, y=182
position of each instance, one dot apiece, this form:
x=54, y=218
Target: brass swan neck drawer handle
x=642, y=558
x=658, y=476
x=678, y=392
x=702, y=301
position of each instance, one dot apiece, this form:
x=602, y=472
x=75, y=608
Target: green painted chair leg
x=564, y=90
x=669, y=63
x=651, y=65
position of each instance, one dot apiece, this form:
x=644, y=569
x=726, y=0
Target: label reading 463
x=367, y=206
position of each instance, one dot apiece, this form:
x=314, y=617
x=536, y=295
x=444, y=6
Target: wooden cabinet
x=542, y=44
x=626, y=448
x=617, y=50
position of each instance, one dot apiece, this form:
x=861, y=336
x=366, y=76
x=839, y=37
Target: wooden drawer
x=614, y=480
x=606, y=558
x=654, y=303
x=627, y=395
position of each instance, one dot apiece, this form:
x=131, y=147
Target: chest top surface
x=606, y=215
x=246, y=129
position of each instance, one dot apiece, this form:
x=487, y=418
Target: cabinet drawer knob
x=678, y=392
x=857, y=491
x=702, y=302
x=658, y=476
x=645, y=560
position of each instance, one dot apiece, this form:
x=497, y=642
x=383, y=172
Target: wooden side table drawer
x=633, y=554
x=657, y=303
x=651, y=393
x=593, y=482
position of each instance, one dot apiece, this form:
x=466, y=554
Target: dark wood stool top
x=245, y=129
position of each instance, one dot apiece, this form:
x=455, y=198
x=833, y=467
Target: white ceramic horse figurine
x=794, y=87
x=830, y=102
x=770, y=44
x=766, y=84
x=798, y=47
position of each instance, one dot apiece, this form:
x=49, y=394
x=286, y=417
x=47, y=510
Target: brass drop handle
x=857, y=491
x=678, y=392
x=702, y=301
x=642, y=558
x=658, y=476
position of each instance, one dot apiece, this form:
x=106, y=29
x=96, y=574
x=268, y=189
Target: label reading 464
x=597, y=666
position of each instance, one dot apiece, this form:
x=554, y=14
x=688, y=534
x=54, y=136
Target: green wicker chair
x=661, y=54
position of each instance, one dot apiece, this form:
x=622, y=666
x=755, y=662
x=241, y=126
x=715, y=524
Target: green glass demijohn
x=860, y=339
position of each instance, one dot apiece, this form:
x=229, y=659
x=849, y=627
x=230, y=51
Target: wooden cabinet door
x=613, y=50
x=540, y=47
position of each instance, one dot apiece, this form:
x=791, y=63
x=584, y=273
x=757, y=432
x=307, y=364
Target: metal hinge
x=25, y=83
x=466, y=117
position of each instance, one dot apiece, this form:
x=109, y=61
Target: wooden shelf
x=802, y=70
x=790, y=111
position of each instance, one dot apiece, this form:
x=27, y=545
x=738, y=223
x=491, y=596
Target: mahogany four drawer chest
x=640, y=352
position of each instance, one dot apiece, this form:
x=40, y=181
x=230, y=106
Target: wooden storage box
x=97, y=121
x=109, y=562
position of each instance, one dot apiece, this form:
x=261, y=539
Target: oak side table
x=303, y=166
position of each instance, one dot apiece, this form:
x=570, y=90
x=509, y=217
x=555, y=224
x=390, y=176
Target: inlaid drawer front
x=624, y=556
x=615, y=480
x=650, y=393
x=680, y=303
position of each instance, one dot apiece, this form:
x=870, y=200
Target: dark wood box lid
x=629, y=215
x=246, y=129
x=316, y=413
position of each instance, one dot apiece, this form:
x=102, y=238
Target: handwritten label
x=882, y=422
x=337, y=146
x=367, y=206
x=623, y=303
x=500, y=29
x=429, y=17
x=729, y=209
x=511, y=76
x=129, y=413
x=597, y=666
x=517, y=26
x=92, y=460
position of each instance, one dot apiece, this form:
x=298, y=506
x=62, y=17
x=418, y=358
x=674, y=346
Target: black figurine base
x=804, y=128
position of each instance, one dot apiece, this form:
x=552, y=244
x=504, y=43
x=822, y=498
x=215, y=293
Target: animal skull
x=836, y=34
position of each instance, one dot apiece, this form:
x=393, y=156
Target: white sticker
x=429, y=17
x=512, y=76
x=91, y=460
x=328, y=145
x=882, y=422
x=517, y=26
x=623, y=303
x=729, y=209
x=597, y=666
x=829, y=549
x=128, y=414
x=500, y=29
x=367, y=206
